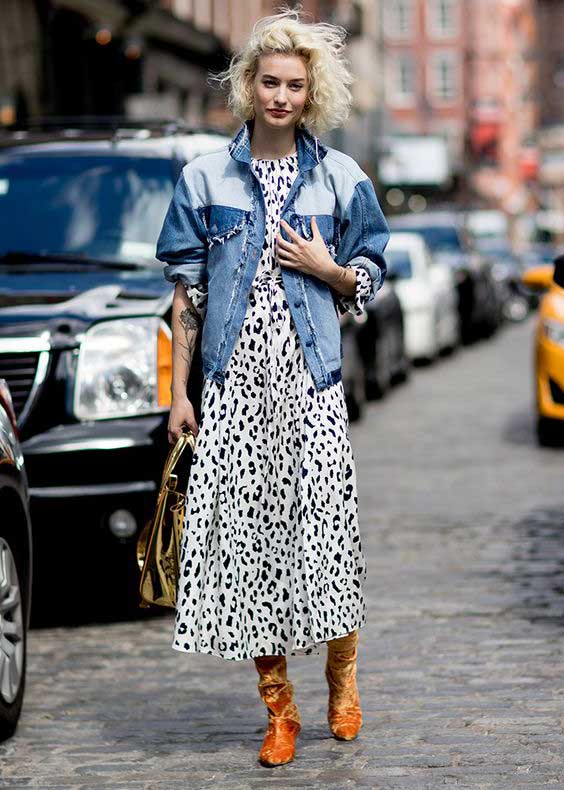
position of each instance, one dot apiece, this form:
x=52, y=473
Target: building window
x=444, y=78
x=401, y=87
x=443, y=19
x=399, y=19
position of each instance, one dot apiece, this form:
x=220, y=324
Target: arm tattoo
x=190, y=321
x=189, y=318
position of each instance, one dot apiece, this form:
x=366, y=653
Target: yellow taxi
x=549, y=351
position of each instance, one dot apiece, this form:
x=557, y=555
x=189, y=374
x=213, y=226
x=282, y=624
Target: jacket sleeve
x=364, y=235
x=182, y=243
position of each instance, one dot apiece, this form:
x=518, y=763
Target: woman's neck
x=267, y=143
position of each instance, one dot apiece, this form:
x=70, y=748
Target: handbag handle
x=186, y=439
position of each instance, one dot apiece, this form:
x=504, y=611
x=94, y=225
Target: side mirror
x=559, y=271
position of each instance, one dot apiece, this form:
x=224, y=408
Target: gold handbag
x=158, y=545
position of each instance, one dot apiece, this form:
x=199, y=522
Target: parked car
x=428, y=296
x=373, y=347
x=549, y=351
x=16, y=568
x=507, y=268
x=85, y=344
x=478, y=301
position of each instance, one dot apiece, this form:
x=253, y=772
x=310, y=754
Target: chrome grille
x=19, y=370
x=23, y=364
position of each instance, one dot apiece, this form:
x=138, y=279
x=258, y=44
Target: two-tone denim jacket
x=214, y=230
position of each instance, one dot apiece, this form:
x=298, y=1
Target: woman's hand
x=181, y=415
x=309, y=256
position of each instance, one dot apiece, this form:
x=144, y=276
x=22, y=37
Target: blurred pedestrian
x=267, y=240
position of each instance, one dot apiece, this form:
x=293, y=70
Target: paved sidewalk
x=461, y=667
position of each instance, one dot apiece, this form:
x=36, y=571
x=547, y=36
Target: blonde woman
x=267, y=240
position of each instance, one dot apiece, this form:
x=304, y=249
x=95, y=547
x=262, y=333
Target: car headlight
x=554, y=330
x=124, y=369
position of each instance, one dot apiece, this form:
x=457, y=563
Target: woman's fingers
x=175, y=434
x=314, y=227
x=290, y=245
x=291, y=233
x=284, y=255
x=181, y=418
x=193, y=426
x=283, y=244
x=289, y=250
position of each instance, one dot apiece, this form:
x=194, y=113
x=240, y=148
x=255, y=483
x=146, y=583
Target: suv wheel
x=12, y=641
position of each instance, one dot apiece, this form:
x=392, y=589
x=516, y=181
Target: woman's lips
x=279, y=112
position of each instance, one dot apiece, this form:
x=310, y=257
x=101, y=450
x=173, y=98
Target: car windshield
x=399, y=264
x=96, y=207
x=440, y=238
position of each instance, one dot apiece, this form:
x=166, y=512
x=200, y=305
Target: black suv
x=85, y=343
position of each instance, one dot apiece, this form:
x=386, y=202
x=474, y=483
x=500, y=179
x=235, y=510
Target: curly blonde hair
x=321, y=45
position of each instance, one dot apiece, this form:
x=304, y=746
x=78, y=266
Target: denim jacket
x=214, y=230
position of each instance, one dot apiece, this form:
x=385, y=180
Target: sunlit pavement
x=461, y=666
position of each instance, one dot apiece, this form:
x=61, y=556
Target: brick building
x=551, y=134
x=424, y=43
x=503, y=104
x=466, y=71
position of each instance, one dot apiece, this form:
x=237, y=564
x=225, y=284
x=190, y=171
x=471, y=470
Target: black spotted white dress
x=271, y=556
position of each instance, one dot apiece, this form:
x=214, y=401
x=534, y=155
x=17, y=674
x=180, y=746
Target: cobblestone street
x=461, y=665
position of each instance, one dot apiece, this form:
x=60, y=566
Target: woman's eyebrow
x=294, y=79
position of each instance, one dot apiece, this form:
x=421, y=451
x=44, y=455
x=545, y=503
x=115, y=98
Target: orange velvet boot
x=284, y=723
x=343, y=713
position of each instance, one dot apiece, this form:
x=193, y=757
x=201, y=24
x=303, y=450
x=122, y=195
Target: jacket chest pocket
x=328, y=227
x=222, y=222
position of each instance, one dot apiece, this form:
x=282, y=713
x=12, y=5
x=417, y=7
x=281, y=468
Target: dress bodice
x=276, y=177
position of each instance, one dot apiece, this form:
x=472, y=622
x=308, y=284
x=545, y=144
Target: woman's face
x=281, y=83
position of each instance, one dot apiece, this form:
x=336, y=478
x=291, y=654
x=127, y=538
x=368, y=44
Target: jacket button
x=297, y=304
x=309, y=343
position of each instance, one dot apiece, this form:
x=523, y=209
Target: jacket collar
x=309, y=148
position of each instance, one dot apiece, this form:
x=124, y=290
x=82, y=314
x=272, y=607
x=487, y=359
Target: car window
x=97, y=206
x=399, y=264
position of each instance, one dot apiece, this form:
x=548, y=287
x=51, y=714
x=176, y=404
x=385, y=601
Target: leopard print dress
x=271, y=556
